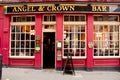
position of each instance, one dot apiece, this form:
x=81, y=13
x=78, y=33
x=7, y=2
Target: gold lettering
x=33, y=9
x=23, y=9
x=49, y=8
x=72, y=8
x=54, y=8
x=93, y=8
x=59, y=8
x=65, y=8
x=41, y=8
x=104, y=8
x=99, y=8
x=14, y=9
x=30, y=8
x=19, y=9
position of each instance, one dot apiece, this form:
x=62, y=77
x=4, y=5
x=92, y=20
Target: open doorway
x=48, y=50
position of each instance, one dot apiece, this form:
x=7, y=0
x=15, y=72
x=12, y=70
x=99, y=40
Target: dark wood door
x=49, y=50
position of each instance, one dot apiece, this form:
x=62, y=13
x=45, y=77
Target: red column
x=89, y=62
x=1, y=28
x=59, y=36
x=38, y=32
x=5, y=39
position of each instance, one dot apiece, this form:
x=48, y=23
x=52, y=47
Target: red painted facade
x=37, y=61
x=89, y=62
x=59, y=33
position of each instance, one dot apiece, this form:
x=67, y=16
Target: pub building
x=40, y=33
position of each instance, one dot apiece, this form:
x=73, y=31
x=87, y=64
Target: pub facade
x=40, y=34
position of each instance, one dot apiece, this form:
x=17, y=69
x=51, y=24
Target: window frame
x=51, y=25
x=20, y=25
x=75, y=23
x=108, y=24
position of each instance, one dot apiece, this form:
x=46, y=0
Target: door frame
x=42, y=46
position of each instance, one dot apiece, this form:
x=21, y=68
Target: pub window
x=106, y=40
x=74, y=36
x=22, y=41
x=74, y=40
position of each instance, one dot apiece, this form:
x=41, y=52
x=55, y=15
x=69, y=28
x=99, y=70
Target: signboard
x=37, y=44
x=59, y=45
x=61, y=7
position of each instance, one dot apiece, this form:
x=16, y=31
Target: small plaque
x=59, y=44
x=37, y=37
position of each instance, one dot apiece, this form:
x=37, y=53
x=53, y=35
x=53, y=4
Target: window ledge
x=76, y=57
x=22, y=57
x=103, y=57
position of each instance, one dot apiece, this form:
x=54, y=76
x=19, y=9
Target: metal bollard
x=0, y=66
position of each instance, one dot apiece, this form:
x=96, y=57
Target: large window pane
x=74, y=40
x=22, y=37
x=23, y=41
x=74, y=36
x=106, y=40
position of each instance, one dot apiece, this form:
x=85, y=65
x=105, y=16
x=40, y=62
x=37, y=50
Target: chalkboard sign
x=68, y=66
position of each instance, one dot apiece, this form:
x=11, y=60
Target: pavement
x=52, y=74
